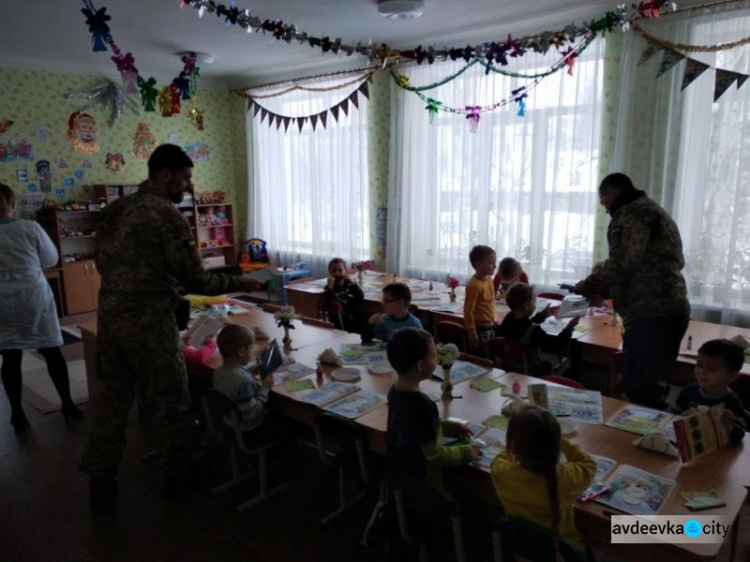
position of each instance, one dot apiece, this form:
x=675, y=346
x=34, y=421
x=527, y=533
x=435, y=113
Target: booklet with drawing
x=358, y=404
x=640, y=420
x=327, y=393
x=636, y=491
x=461, y=371
x=292, y=372
x=701, y=433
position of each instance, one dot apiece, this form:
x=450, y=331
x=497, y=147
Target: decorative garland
x=315, y=118
x=296, y=87
x=183, y=87
x=690, y=48
x=497, y=52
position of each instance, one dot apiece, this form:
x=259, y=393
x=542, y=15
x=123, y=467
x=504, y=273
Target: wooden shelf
x=214, y=225
x=77, y=237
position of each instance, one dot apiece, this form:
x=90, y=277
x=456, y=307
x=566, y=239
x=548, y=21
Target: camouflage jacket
x=146, y=253
x=643, y=271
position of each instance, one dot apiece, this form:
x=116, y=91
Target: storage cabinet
x=81, y=282
x=213, y=227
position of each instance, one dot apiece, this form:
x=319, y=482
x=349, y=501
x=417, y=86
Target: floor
x=44, y=511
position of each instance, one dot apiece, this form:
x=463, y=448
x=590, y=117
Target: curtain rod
x=304, y=78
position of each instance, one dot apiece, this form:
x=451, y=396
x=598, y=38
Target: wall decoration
x=40, y=131
x=82, y=133
x=107, y=97
x=23, y=175
x=33, y=188
x=382, y=225
x=5, y=125
x=16, y=149
x=45, y=178
x=114, y=161
x=69, y=182
x=86, y=164
x=197, y=151
x=78, y=174
x=60, y=192
x=62, y=164
x=28, y=205
x=144, y=141
x=174, y=138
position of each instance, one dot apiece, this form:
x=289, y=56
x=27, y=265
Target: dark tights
x=11, y=374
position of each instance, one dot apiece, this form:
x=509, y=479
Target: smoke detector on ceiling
x=401, y=9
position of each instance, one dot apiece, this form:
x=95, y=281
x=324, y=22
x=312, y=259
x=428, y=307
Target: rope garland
x=664, y=44
x=295, y=87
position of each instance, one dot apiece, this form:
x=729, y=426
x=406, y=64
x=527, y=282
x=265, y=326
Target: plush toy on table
x=221, y=215
x=211, y=216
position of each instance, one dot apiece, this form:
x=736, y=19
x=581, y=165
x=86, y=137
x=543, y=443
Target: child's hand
x=729, y=418
x=268, y=381
x=375, y=319
x=465, y=430
x=330, y=283
x=553, y=310
x=476, y=452
x=499, y=295
x=574, y=322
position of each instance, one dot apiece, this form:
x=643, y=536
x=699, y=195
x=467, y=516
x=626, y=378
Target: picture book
x=203, y=328
x=640, y=420
x=636, y=491
x=292, y=373
x=461, y=371
x=581, y=405
x=295, y=386
x=492, y=443
x=486, y=385
x=538, y=394
x=357, y=353
x=327, y=393
x=701, y=433
x=604, y=466
x=702, y=500
x=497, y=421
x=355, y=405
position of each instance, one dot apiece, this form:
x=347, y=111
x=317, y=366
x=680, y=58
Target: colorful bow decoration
x=148, y=93
x=650, y=8
x=175, y=98
x=473, y=114
x=569, y=56
x=196, y=116
x=402, y=80
x=182, y=83
x=433, y=106
x=519, y=96
x=97, y=22
x=189, y=62
x=128, y=72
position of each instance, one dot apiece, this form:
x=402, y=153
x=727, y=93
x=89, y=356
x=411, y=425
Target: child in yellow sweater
x=479, y=307
x=530, y=482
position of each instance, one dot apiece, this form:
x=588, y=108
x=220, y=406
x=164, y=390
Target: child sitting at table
x=509, y=272
x=396, y=300
x=414, y=440
x=479, y=306
x=718, y=364
x=520, y=325
x=530, y=482
x=234, y=380
x=342, y=297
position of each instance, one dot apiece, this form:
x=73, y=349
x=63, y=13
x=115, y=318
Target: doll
x=221, y=215
x=211, y=217
x=202, y=219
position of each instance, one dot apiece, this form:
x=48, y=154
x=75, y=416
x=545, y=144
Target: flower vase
x=360, y=277
x=453, y=295
x=287, y=340
x=447, y=385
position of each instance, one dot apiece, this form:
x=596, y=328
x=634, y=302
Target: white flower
x=447, y=353
x=286, y=314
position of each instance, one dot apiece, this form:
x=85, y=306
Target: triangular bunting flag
x=323, y=117
x=314, y=121
x=345, y=106
x=693, y=69
x=301, y=122
x=354, y=96
x=263, y=114
x=279, y=119
x=650, y=51
x=724, y=79
x=335, y=112
x=668, y=60
x=271, y=118
x=287, y=120
x=249, y=104
x=365, y=89
x=741, y=79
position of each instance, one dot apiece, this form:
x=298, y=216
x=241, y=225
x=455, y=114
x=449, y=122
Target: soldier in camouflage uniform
x=643, y=276
x=145, y=253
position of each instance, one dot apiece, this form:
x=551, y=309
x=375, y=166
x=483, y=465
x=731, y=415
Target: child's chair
x=452, y=332
x=223, y=423
x=509, y=354
x=529, y=541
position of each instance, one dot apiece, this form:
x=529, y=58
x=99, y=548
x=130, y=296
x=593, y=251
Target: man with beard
x=146, y=253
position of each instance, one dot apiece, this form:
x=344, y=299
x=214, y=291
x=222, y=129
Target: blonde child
x=530, y=482
x=342, y=297
x=479, y=307
x=719, y=363
x=396, y=301
x=415, y=432
x=234, y=380
x=509, y=272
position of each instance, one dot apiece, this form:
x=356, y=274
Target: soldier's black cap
x=168, y=156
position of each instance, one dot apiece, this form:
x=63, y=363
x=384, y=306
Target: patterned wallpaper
x=34, y=101
x=379, y=118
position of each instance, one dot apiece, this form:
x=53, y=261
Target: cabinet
x=81, y=282
x=213, y=227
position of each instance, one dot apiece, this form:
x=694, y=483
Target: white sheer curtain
x=310, y=194
x=693, y=155
x=524, y=185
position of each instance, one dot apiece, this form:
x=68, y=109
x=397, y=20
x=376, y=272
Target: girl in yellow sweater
x=530, y=482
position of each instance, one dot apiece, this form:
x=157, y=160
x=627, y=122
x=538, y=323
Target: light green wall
x=31, y=98
x=379, y=118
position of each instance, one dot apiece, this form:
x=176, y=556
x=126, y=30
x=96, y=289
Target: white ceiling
x=52, y=34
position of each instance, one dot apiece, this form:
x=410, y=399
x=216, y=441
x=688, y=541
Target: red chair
x=563, y=381
x=551, y=296
x=511, y=354
x=452, y=332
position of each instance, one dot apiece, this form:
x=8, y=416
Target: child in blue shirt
x=396, y=301
x=719, y=363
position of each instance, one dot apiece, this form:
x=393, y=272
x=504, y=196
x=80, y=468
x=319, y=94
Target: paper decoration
x=144, y=141
x=16, y=149
x=69, y=182
x=78, y=174
x=693, y=69
x=106, y=97
x=60, y=192
x=40, y=131
x=114, y=161
x=62, y=163
x=5, y=125
x=86, y=164
x=33, y=188
x=23, y=175
x=669, y=59
x=649, y=52
x=198, y=151
x=174, y=138
x=43, y=171
x=82, y=133
x=722, y=81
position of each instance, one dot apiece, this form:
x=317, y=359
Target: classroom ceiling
x=52, y=34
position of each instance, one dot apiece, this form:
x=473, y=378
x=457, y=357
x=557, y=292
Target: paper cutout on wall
x=86, y=164
x=40, y=132
x=28, y=205
x=69, y=182
x=16, y=149
x=43, y=171
x=722, y=81
x=668, y=61
x=23, y=175
x=5, y=125
x=82, y=133
x=62, y=164
x=32, y=187
x=60, y=192
x=144, y=141
x=693, y=69
x=198, y=151
x=115, y=161
x=78, y=174
x=174, y=138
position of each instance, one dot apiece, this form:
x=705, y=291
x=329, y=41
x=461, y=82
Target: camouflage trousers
x=148, y=362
